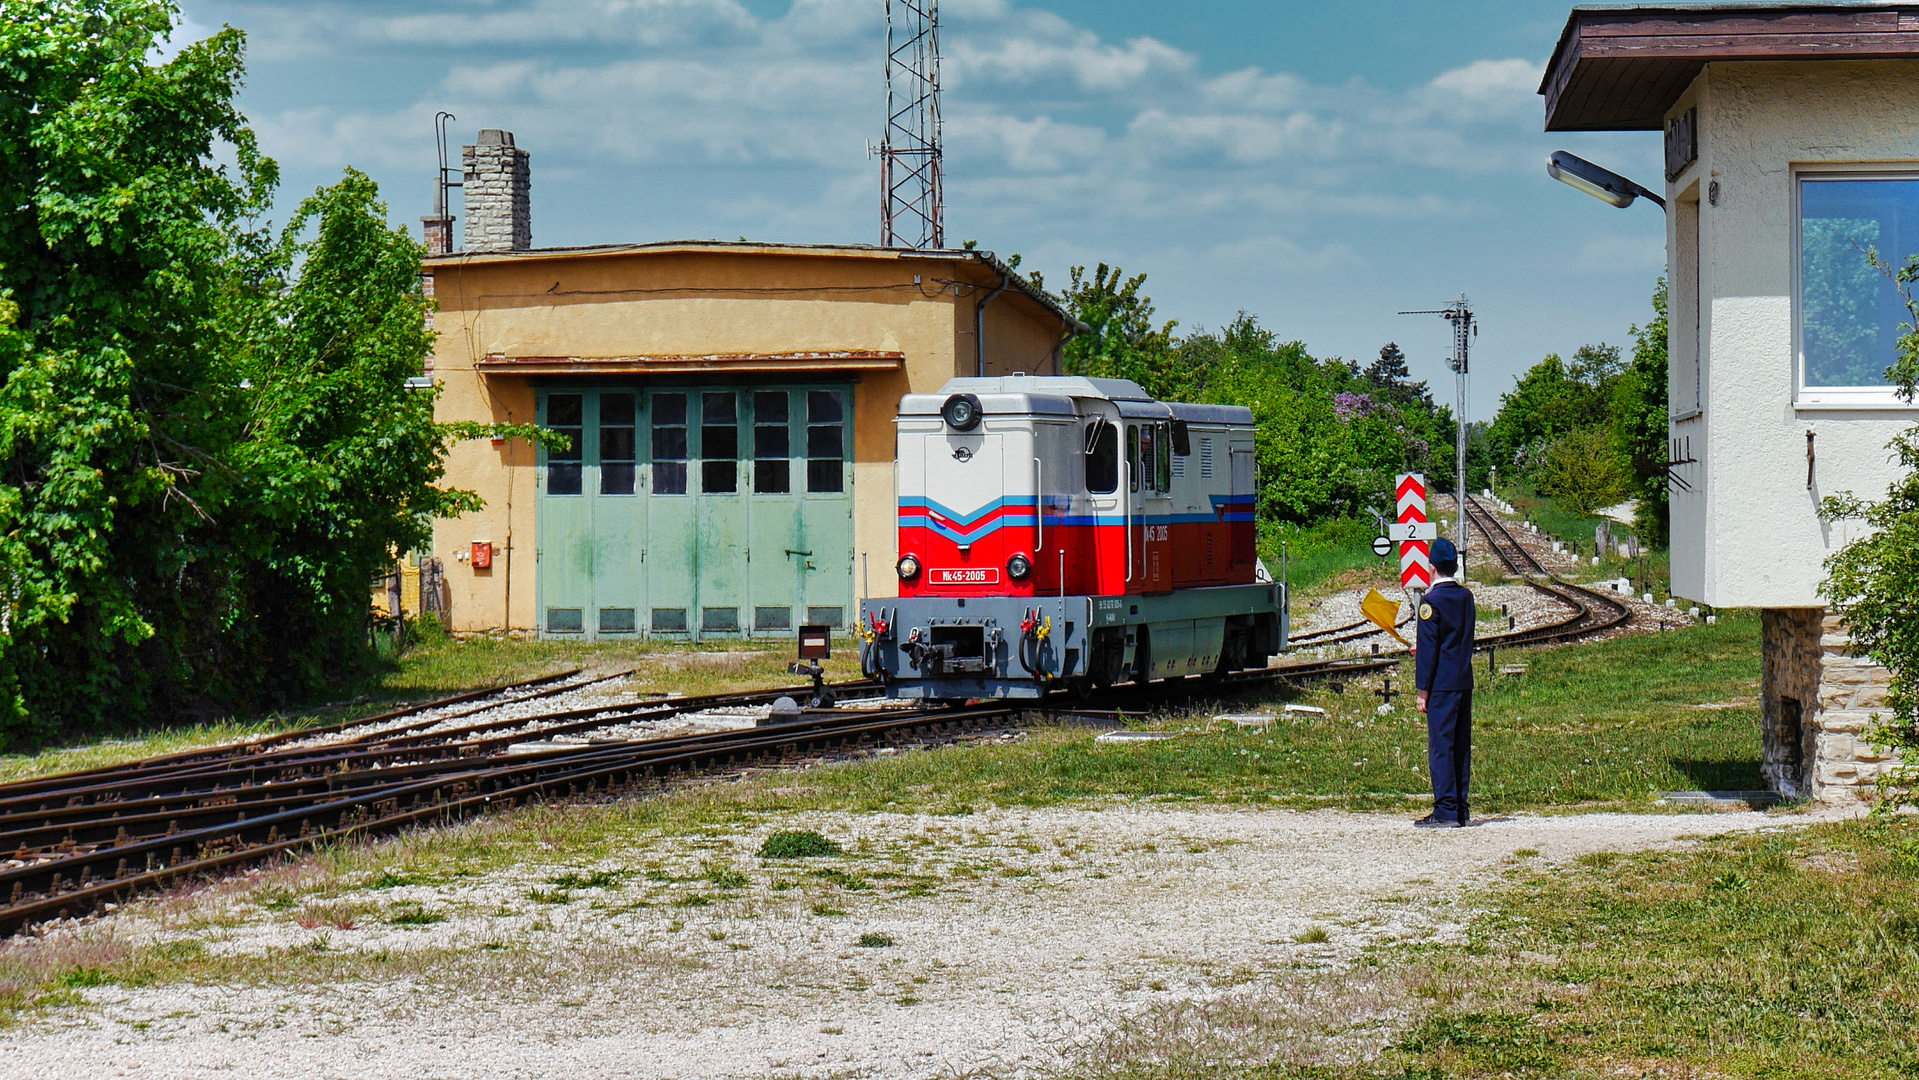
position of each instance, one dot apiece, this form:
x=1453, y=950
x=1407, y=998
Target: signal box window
x=719, y=443
x=825, y=441
x=669, y=444
x=616, y=444
x=772, y=444
x=565, y=416
x=1102, y=459
x=1850, y=313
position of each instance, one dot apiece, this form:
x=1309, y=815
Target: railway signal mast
x=1460, y=314
x=912, y=195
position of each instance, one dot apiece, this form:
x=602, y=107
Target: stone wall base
x=1817, y=701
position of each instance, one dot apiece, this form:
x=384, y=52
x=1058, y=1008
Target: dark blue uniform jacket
x=1446, y=618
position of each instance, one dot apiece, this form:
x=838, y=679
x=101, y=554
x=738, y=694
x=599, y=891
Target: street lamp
x=1602, y=184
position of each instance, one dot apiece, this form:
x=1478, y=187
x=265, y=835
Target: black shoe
x=1431, y=822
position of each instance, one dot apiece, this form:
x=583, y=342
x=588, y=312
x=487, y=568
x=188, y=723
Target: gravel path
x=1013, y=942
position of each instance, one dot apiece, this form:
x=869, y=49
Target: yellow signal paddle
x=1383, y=612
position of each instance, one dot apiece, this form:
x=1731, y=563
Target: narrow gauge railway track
x=1593, y=612
x=72, y=879
x=70, y=843
x=1338, y=635
x=103, y=777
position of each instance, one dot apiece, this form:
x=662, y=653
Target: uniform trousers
x=1449, y=751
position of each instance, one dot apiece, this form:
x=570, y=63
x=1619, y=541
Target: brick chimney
x=438, y=225
x=497, y=186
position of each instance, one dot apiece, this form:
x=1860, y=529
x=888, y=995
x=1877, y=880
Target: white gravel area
x=1012, y=943
x=589, y=689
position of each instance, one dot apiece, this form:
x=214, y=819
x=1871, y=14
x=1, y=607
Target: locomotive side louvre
x=1070, y=531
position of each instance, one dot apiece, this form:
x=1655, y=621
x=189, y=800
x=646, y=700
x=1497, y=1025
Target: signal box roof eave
x=1621, y=67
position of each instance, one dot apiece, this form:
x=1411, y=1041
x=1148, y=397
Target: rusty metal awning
x=745, y=363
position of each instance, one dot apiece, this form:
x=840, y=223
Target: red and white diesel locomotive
x=1069, y=533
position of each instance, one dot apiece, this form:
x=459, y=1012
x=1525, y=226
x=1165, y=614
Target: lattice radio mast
x=912, y=195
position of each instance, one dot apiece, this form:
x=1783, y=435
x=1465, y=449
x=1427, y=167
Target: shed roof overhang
x=747, y=249
x=1620, y=67
x=742, y=363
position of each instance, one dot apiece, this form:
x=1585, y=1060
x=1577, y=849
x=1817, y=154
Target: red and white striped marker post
x=1415, y=556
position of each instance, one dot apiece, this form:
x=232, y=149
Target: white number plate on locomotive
x=987, y=576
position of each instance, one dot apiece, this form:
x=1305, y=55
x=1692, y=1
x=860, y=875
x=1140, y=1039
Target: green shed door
x=823, y=526
x=696, y=512
x=802, y=508
x=590, y=520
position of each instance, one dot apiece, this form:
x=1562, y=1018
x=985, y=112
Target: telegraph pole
x=912, y=185
x=1459, y=314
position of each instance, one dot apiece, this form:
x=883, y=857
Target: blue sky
x=1319, y=165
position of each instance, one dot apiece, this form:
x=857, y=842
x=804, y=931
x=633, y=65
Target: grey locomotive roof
x=1066, y=385
x=993, y=403
x=1212, y=414
x=1027, y=395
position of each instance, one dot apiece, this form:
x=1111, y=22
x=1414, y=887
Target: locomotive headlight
x=1019, y=566
x=909, y=568
x=961, y=412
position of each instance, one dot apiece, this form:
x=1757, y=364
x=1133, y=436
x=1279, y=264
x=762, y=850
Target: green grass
x=1319, y=554
x=798, y=844
x=1781, y=956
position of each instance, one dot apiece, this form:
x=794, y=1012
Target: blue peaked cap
x=1444, y=551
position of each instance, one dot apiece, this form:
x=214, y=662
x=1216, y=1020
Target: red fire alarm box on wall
x=482, y=555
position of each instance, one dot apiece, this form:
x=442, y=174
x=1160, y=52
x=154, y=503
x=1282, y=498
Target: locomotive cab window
x=1102, y=458
x=1149, y=456
x=1164, y=459
x=1132, y=456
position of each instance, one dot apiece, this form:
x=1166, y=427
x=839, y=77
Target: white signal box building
x=1792, y=148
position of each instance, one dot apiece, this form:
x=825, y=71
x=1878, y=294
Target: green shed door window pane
x=565, y=621
x=825, y=441
x=669, y=444
x=719, y=443
x=772, y=443
x=1849, y=313
x=616, y=444
x=565, y=415
x=669, y=620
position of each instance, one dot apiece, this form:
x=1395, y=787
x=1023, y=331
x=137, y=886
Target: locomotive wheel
x=1081, y=688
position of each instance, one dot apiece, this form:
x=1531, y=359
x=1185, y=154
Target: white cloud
x=1497, y=82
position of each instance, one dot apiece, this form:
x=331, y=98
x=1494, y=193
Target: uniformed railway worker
x=1444, y=678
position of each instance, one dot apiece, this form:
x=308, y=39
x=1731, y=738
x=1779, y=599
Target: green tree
x=1874, y=579
x=1554, y=398
x=1124, y=342
x=1582, y=472
x=1639, y=423
x=206, y=443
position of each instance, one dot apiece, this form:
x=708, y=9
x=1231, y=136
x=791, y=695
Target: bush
x=803, y=844
x=1583, y=472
